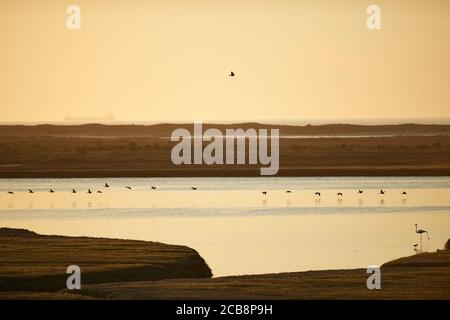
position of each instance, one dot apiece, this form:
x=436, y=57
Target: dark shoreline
x=228, y=172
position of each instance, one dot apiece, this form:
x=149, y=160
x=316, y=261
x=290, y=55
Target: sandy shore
x=33, y=267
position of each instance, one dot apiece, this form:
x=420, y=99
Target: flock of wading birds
x=339, y=194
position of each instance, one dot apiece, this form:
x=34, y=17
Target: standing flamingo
x=420, y=231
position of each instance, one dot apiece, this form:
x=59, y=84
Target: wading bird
x=10, y=192
x=264, y=192
x=382, y=191
x=231, y=74
x=89, y=191
x=420, y=231
x=30, y=191
x=99, y=191
x=153, y=187
x=339, y=194
x=129, y=188
x=51, y=191
x=106, y=185
x=317, y=194
x=288, y=191
x=193, y=188
x=74, y=191
x=404, y=192
x=360, y=191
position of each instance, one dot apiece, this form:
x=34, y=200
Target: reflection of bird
x=153, y=187
x=106, y=185
x=318, y=194
x=382, y=191
x=339, y=194
x=231, y=74
x=404, y=192
x=420, y=231
x=51, y=191
x=360, y=191
x=129, y=188
x=264, y=192
x=30, y=191
x=10, y=192
x=193, y=188
x=89, y=191
x=74, y=191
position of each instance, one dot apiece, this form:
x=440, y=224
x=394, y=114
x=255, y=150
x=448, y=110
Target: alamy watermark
x=235, y=153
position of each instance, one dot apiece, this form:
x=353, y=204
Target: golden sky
x=169, y=60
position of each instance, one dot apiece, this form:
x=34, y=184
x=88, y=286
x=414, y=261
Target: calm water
x=236, y=228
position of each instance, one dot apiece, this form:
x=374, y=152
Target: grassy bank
x=33, y=267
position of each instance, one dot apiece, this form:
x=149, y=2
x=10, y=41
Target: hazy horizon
x=162, y=61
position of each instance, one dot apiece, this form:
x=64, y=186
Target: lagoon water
x=236, y=228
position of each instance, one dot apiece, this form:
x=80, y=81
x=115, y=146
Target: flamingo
x=420, y=231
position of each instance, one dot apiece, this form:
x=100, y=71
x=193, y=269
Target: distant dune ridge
x=33, y=266
x=144, y=151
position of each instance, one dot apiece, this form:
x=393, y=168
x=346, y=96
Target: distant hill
x=165, y=129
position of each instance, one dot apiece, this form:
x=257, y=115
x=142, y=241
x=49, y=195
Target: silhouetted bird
x=264, y=192
x=231, y=74
x=10, y=192
x=129, y=188
x=382, y=191
x=360, y=191
x=99, y=191
x=317, y=194
x=106, y=185
x=51, y=191
x=404, y=192
x=89, y=191
x=288, y=191
x=420, y=231
x=339, y=194
x=153, y=187
x=74, y=191
x=30, y=191
x=193, y=188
